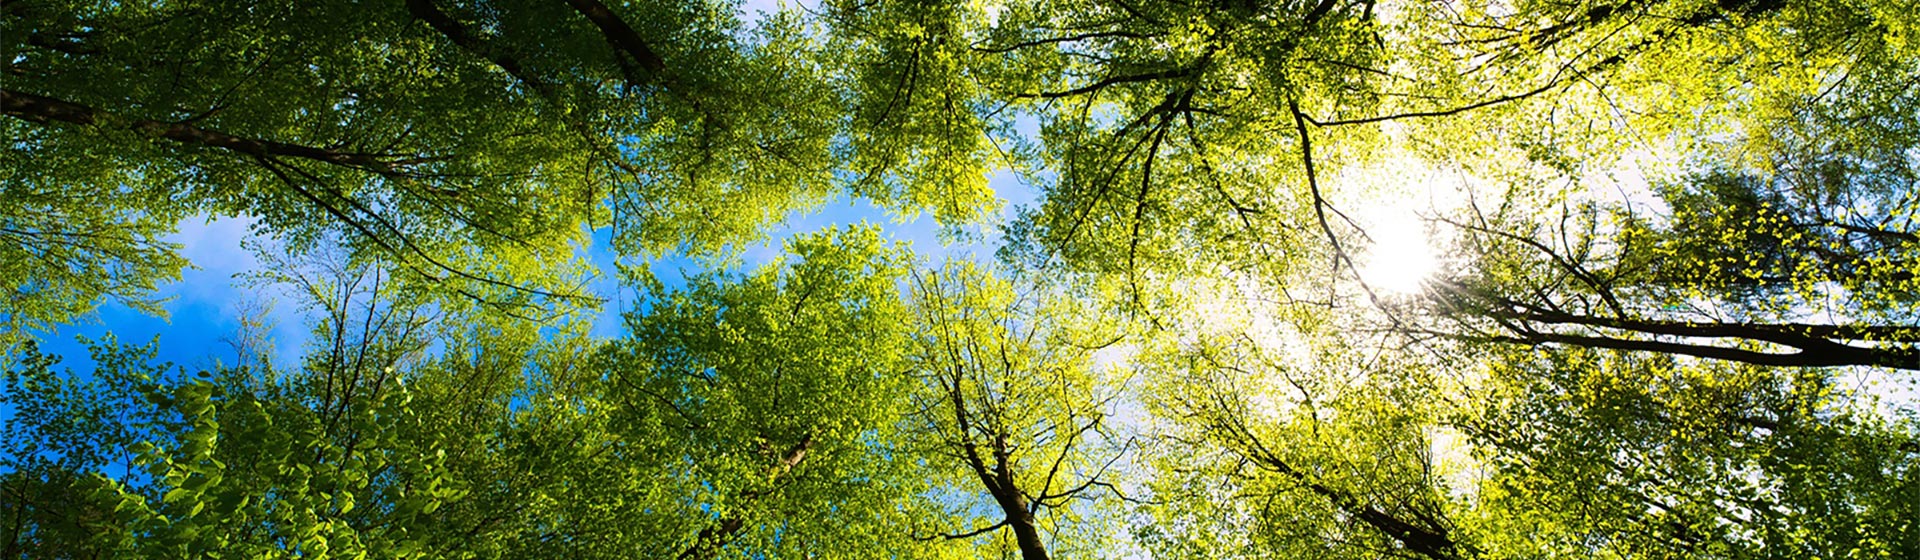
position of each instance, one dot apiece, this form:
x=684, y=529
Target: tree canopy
x=1667, y=310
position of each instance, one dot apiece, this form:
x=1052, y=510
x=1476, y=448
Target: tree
x=762, y=410
x=744, y=417
x=1608, y=454
x=1151, y=116
x=1788, y=201
x=61, y=253
x=1013, y=403
x=1803, y=258
x=1751, y=294
x=61, y=430
x=368, y=446
x=1177, y=355
x=467, y=144
x=1179, y=136
x=1280, y=441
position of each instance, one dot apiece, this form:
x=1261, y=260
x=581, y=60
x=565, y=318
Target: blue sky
x=205, y=305
x=204, y=308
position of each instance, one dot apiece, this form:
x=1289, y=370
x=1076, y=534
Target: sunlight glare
x=1401, y=257
x=1399, y=253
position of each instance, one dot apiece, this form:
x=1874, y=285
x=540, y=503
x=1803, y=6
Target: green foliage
x=315, y=119
x=1300, y=447
x=62, y=251
x=1168, y=131
x=1011, y=398
x=1680, y=276
x=150, y=461
x=917, y=135
x=1623, y=456
x=761, y=410
x=465, y=145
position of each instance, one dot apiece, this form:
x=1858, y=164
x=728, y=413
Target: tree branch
x=621, y=35
x=40, y=109
x=454, y=31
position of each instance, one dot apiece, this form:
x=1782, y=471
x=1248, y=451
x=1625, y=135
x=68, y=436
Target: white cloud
x=212, y=244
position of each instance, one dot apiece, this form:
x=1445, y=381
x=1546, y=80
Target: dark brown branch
x=1321, y=205
x=1603, y=289
x=1432, y=540
x=1887, y=236
x=1092, y=480
x=62, y=43
x=1443, y=112
x=1804, y=335
x=1319, y=11
x=1159, y=134
x=1561, y=77
x=968, y=534
x=426, y=11
x=1829, y=356
x=998, y=478
x=621, y=35
x=39, y=109
x=1012, y=501
x=269, y=155
x=1109, y=82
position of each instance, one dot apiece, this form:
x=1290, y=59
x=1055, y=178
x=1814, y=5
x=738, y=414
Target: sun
x=1401, y=250
x=1401, y=257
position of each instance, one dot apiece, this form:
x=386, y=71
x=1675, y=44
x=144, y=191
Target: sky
x=205, y=306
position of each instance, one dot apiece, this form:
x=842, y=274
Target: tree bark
x=1431, y=542
x=998, y=480
x=620, y=34
x=1014, y=503
x=426, y=11
x=1816, y=345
